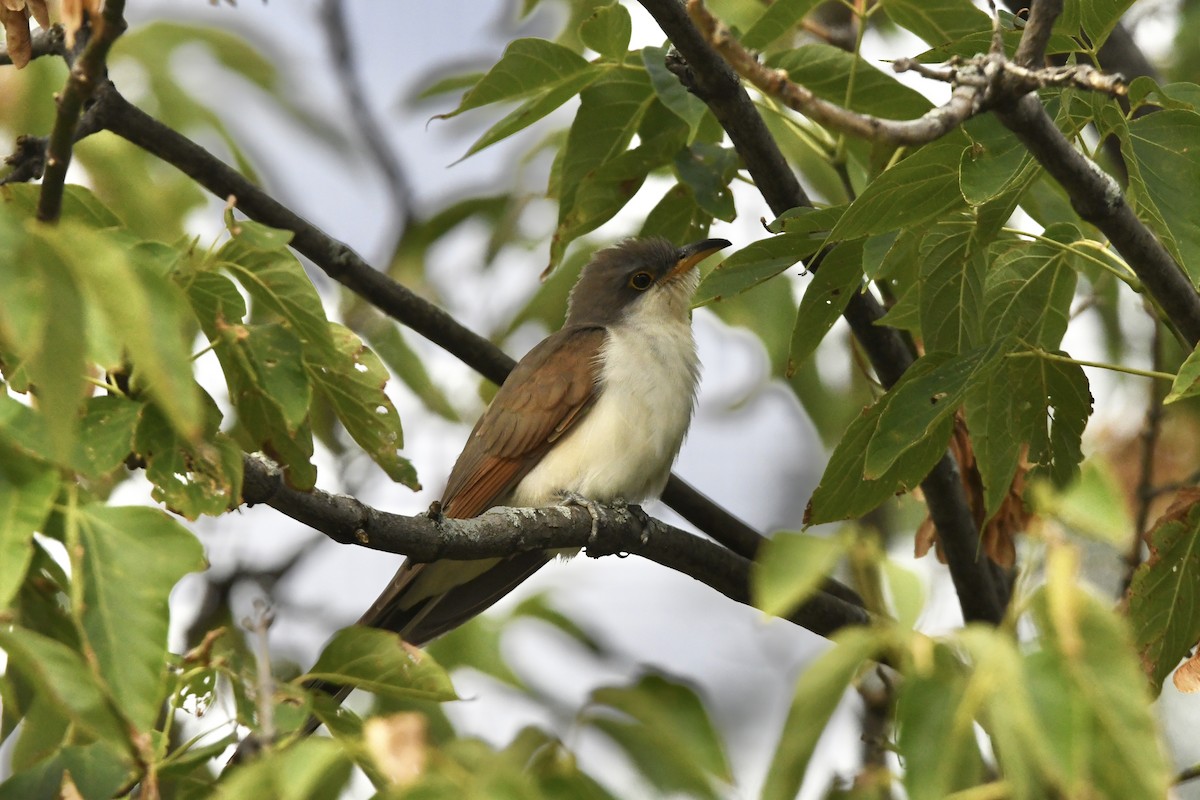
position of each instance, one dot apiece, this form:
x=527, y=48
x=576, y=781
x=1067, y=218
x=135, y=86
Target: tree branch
x=504, y=531
x=1097, y=198
x=980, y=592
x=87, y=73
x=977, y=83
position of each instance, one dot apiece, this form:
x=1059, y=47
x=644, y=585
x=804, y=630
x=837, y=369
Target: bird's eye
x=641, y=281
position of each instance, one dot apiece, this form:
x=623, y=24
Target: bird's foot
x=593, y=509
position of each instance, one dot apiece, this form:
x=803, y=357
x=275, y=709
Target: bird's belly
x=624, y=446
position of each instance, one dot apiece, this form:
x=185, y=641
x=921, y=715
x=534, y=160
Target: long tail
x=423, y=601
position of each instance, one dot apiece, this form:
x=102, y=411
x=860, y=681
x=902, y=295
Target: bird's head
x=638, y=274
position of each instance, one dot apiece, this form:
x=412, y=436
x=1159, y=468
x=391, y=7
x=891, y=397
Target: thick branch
x=87, y=73
x=1032, y=47
x=503, y=531
x=1097, y=198
x=979, y=591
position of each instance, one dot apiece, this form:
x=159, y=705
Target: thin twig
x=1149, y=444
x=87, y=73
x=333, y=15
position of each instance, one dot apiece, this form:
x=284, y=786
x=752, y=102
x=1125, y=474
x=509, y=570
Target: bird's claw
x=593, y=509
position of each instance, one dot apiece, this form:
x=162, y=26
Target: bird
x=596, y=412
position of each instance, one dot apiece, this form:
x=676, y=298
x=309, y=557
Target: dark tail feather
x=426, y=619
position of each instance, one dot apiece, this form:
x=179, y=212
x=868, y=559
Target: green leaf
x=845, y=492
x=189, y=478
x=1056, y=397
x=1164, y=597
x=670, y=92
x=132, y=557
x=818, y=693
x=1094, y=505
x=995, y=161
x=257, y=256
x=352, y=380
x=838, y=279
x=920, y=404
x=937, y=21
x=1099, y=17
x=1030, y=288
x=607, y=31
x=951, y=286
x=666, y=732
x=106, y=434
x=790, y=568
x=1187, y=381
x=528, y=65
x=537, y=107
x=826, y=71
x=60, y=675
x=677, y=217
x=312, y=769
x=919, y=188
x=778, y=19
x=998, y=428
x=25, y=502
x=389, y=343
x=1090, y=697
x=935, y=712
x=708, y=170
x=42, y=319
x=762, y=260
x=379, y=661
x=1164, y=177
x=142, y=310
x=610, y=111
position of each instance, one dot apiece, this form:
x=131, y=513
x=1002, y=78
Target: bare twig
x=504, y=531
x=977, y=83
x=87, y=73
x=333, y=15
x=1149, y=441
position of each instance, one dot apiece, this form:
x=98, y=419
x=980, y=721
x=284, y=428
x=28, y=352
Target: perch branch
x=504, y=531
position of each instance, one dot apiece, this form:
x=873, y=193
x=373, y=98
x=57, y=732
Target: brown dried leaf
x=398, y=743
x=999, y=534
x=40, y=12
x=73, y=15
x=16, y=32
x=1187, y=676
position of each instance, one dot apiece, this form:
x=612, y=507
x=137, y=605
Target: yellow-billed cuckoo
x=597, y=410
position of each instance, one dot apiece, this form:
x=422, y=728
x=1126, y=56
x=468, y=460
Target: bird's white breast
x=624, y=446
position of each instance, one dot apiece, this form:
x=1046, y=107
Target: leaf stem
x=1126, y=276
x=1142, y=373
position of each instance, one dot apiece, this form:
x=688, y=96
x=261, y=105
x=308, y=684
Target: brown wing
x=547, y=392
